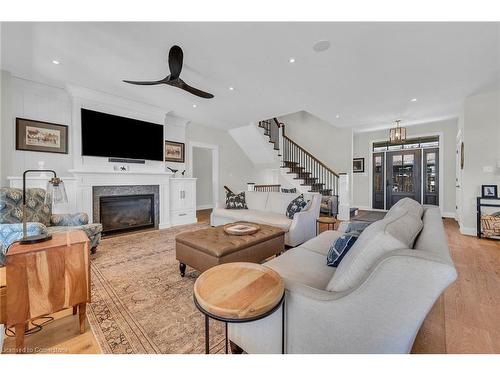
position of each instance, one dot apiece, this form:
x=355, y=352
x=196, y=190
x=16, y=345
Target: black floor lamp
x=55, y=193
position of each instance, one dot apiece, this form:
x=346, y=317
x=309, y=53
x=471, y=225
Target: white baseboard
x=164, y=226
x=468, y=231
x=204, y=207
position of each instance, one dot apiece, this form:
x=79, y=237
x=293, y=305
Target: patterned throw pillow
x=236, y=201
x=292, y=190
x=295, y=206
x=340, y=247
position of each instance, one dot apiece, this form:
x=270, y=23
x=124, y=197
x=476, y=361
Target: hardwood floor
x=463, y=320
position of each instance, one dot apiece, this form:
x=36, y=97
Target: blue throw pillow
x=296, y=206
x=340, y=247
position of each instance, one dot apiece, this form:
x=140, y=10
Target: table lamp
x=55, y=193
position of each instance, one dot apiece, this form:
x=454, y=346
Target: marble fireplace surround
x=91, y=183
x=107, y=191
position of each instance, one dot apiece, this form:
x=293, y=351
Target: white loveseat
x=369, y=304
x=270, y=208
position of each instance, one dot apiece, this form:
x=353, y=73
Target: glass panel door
x=431, y=179
x=403, y=176
x=378, y=181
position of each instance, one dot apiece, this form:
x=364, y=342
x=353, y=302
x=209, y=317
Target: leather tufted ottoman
x=206, y=248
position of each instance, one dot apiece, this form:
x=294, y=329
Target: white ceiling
x=368, y=75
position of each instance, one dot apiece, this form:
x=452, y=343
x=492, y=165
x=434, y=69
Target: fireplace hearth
x=124, y=213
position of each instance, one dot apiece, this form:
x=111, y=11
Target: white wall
x=202, y=170
x=480, y=122
x=31, y=100
x=235, y=169
x=362, y=147
x=330, y=144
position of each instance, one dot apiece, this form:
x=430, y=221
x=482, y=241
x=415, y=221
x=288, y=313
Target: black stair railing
x=306, y=166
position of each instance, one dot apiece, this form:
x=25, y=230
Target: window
x=423, y=142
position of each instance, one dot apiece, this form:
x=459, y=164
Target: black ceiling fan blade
x=175, y=58
x=148, y=83
x=202, y=94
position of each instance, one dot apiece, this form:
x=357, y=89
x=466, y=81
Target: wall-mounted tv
x=120, y=137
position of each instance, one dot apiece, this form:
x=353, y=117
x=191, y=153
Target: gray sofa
x=375, y=300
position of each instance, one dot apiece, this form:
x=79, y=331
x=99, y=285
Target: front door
x=403, y=176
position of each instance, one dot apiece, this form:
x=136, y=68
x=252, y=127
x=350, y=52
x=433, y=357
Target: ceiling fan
x=175, y=64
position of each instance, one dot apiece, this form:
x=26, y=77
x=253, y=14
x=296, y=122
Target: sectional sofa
x=375, y=300
x=270, y=208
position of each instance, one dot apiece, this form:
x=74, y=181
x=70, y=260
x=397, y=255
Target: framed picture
x=174, y=151
x=358, y=165
x=32, y=135
x=489, y=191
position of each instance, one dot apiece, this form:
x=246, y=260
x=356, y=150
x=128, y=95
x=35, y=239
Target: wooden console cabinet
x=45, y=278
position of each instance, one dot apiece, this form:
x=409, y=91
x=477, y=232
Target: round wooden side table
x=239, y=292
x=327, y=220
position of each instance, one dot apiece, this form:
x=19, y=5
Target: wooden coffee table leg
x=207, y=336
x=182, y=269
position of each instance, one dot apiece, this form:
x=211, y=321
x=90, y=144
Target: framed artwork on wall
x=358, y=165
x=40, y=136
x=174, y=151
x=489, y=191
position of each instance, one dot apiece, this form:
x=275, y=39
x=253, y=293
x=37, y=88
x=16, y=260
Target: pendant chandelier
x=397, y=134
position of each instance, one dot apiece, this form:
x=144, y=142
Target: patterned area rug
x=140, y=303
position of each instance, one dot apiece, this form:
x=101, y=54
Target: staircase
x=314, y=175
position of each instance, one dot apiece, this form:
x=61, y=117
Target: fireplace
x=123, y=213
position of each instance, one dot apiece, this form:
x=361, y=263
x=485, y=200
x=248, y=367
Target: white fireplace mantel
x=86, y=179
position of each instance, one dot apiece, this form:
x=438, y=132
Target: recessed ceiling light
x=56, y=62
x=321, y=45
x=231, y=88
x=337, y=116
x=413, y=100
x=194, y=106
x=291, y=60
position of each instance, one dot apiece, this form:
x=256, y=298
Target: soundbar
x=135, y=161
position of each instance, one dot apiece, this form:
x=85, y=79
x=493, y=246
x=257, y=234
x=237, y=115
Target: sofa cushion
x=229, y=214
x=383, y=236
x=256, y=200
x=321, y=243
x=411, y=205
x=340, y=247
x=296, y=205
x=304, y=267
x=278, y=202
x=235, y=201
x=255, y=216
x=269, y=218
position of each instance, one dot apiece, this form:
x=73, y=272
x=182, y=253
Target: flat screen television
x=120, y=137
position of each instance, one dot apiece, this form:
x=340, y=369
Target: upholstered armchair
x=40, y=218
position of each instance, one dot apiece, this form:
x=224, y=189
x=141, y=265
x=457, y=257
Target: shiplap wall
x=28, y=99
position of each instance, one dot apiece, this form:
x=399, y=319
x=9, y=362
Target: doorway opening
x=204, y=166
x=406, y=170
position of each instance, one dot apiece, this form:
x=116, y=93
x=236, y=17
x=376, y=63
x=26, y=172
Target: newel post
x=344, y=197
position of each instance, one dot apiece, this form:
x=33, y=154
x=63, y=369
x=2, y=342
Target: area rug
x=140, y=303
